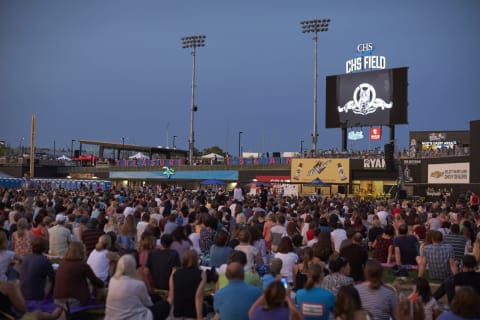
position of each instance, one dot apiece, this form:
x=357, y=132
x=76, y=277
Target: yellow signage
x=320, y=171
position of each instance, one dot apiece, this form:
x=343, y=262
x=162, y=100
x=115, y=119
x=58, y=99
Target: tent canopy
x=213, y=181
x=64, y=157
x=213, y=156
x=139, y=155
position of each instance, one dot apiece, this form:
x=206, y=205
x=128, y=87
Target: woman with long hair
x=383, y=245
x=22, y=239
x=126, y=236
x=111, y=225
x=423, y=293
x=409, y=310
x=348, y=305
x=128, y=296
x=257, y=241
x=7, y=257
x=301, y=269
x=219, y=251
x=253, y=255
x=41, y=225
x=379, y=300
x=73, y=277
x=274, y=304
x=186, y=288
x=181, y=243
x=427, y=241
x=286, y=253
x=313, y=295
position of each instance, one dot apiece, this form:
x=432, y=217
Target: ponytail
x=315, y=274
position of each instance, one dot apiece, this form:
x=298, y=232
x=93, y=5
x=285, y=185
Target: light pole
x=174, y=146
x=73, y=140
x=240, y=144
x=193, y=42
x=123, y=147
x=315, y=26
x=301, y=148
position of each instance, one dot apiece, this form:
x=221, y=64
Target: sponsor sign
x=374, y=163
x=376, y=133
x=323, y=170
x=448, y=173
x=355, y=135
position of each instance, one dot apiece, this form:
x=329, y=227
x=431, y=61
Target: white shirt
x=238, y=194
x=128, y=211
x=99, y=262
x=288, y=261
x=338, y=235
x=127, y=299
x=141, y=226
x=382, y=216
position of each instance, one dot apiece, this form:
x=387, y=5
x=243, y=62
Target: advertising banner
x=411, y=170
x=376, y=133
x=322, y=170
x=448, y=173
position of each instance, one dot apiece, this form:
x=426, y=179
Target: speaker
x=341, y=189
x=402, y=194
x=389, y=150
x=76, y=153
x=276, y=154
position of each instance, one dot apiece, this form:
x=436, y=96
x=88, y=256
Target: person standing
x=238, y=193
x=29, y=192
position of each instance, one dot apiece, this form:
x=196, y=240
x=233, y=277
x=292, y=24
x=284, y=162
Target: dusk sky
x=107, y=69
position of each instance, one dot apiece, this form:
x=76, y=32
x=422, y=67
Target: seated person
x=71, y=285
x=35, y=269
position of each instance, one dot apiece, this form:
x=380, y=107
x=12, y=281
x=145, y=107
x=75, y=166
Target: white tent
x=64, y=158
x=213, y=156
x=139, y=155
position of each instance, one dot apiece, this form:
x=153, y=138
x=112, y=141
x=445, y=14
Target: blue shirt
x=233, y=301
x=266, y=280
x=316, y=303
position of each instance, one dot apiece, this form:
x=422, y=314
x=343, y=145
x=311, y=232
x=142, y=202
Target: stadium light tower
x=315, y=26
x=192, y=42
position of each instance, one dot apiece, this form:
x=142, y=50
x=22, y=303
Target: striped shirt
x=458, y=243
x=380, y=303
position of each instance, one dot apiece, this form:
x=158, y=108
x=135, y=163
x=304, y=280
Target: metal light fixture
x=192, y=42
x=315, y=26
x=240, y=144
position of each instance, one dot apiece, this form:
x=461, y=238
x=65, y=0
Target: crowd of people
x=163, y=252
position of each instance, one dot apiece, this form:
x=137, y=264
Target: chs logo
x=365, y=49
x=364, y=59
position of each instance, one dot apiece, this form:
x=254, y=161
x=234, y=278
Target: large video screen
x=367, y=98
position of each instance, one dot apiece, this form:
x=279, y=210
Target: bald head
x=234, y=271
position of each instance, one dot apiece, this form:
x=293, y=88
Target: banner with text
x=327, y=170
x=449, y=173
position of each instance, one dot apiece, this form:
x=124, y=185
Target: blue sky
x=107, y=69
